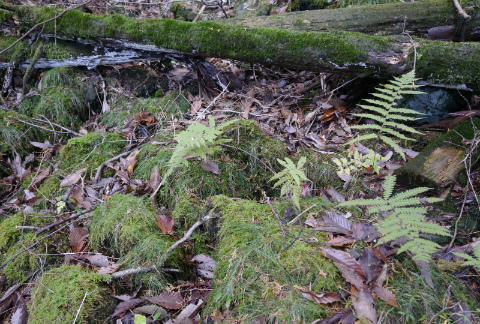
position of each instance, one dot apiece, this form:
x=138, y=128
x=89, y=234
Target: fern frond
x=394, y=145
x=410, y=193
x=361, y=138
x=388, y=186
x=406, y=218
x=403, y=127
x=290, y=178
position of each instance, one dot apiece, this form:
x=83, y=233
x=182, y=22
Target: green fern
x=471, y=261
x=291, y=179
x=390, y=118
x=405, y=219
x=197, y=140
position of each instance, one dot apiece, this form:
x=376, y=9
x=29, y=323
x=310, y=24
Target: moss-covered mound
x=90, y=151
x=417, y=302
x=124, y=226
x=255, y=275
x=14, y=240
x=242, y=174
x=62, y=101
x=62, y=292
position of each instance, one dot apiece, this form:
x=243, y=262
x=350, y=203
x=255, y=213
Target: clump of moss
x=90, y=150
x=419, y=302
x=125, y=224
x=16, y=136
x=8, y=231
x=63, y=106
x=62, y=101
x=256, y=276
x=14, y=240
x=60, y=292
x=242, y=174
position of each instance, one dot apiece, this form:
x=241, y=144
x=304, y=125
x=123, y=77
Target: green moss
x=242, y=174
x=5, y=16
x=452, y=65
x=61, y=292
x=419, y=303
x=90, y=151
x=250, y=44
x=8, y=232
x=64, y=104
x=255, y=276
x=125, y=224
x=16, y=136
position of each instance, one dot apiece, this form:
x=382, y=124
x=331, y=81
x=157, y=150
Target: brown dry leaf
x=112, y=268
x=196, y=105
x=333, y=195
x=363, y=305
x=343, y=224
x=129, y=163
x=72, y=179
x=386, y=295
x=30, y=196
x=351, y=270
x=248, y=103
x=169, y=299
x=326, y=298
x=206, y=265
x=98, y=260
x=154, y=179
x=340, y=241
x=144, y=117
x=166, y=224
x=78, y=195
x=78, y=239
x=371, y=265
x=126, y=306
x=210, y=166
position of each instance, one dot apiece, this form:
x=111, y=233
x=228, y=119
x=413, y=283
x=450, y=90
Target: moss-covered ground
x=69, y=294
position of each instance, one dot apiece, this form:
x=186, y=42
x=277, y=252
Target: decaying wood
x=339, y=51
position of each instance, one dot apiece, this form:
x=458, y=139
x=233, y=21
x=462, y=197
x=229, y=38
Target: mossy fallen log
x=418, y=18
x=338, y=51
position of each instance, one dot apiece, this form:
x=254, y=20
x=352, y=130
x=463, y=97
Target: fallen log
x=430, y=19
x=456, y=64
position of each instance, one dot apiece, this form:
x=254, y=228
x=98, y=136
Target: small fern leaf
x=409, y=193
x=394, y=145
x=388, y=186
x=380, y=119
x=403, y=127
x=361, y=138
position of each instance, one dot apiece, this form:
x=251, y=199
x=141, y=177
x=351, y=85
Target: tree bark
x=420, y=18
x=337, y=51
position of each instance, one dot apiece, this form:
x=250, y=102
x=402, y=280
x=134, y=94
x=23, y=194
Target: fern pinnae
x=394, y=145
x=388, y=186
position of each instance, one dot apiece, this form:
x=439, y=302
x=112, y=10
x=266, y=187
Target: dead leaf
x=169, y=299
x=351, y=270
x=196, y=105
x=126, y=306
x=166, y=224
x=363, y=305
x=326, y=298
x=386, y=295
x=371, y=265
x=210, y=166
x=206, y=265
x=98, y=260
x=112, y=268
x=43, y=145
x=72, y=179
x=78, y=195
x=144, y=117
x=78, y=239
